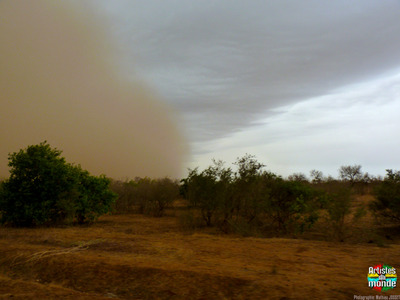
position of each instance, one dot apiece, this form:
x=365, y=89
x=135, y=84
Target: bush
x=249, y=199
x=249, y=189
x=338, y=207
x=125, y=202
x=145, y=195
x=204, y=191
x=292, y=205
x=162, y=192
x=44, y=189
x=387, y=204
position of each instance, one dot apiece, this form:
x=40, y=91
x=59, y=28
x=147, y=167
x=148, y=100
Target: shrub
x=202, y=193
x=335, y=198
x=387, y=204
x=338, y=207
x=125, y=202
x=145, y=195
x=162, y=193
x=250, y=198
x=292, y=205
x=93, y=196
x=209, y=191
x=44, y=189
x=249, y=189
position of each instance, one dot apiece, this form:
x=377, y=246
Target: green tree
x=338, y=207
x=249, y=188
x=92, y=196
x=209, y=190
x=292, y=205
x=44, y=189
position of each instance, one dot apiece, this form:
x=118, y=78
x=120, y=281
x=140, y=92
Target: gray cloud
x=226, y=64
x=357, y=124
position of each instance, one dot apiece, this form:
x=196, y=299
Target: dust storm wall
x=58, y=83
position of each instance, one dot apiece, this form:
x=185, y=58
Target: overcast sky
x=312, y=84
x=299, y=84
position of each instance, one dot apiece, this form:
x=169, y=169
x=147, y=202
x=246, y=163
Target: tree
x=92, y=196
x=350, y=173
x=153, y=196
x=292, y=205
x=248, y=167
x=299, y=177
x=249, y=188
x=209, y=190
x=44, y=189
x=316, y=176
x=338, y=207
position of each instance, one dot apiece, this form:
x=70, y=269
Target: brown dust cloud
x=58, y=83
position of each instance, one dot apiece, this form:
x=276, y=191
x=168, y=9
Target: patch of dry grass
x=138, y=257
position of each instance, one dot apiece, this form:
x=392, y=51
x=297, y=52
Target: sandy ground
x=138, y=257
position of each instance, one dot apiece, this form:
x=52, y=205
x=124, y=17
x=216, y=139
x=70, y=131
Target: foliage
x=44, y=189
x=316, y=176
x=299, y=177
x=93, y=196
x=209, y=190
x=163, y=192
x=248, y=167
x=387, y=202
x=249, y=198
x=351, y=174
x=145, y=195
x=125, y=202
x=338, y=207
x=335, y=200
x=249, y=189
x=292, y=205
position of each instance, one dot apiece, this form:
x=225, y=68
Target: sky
x=301, y=85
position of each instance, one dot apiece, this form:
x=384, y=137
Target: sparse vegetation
x=245, y=200
x=145, y=195
x=250, y=199
x=339, y=208
x=387, y=203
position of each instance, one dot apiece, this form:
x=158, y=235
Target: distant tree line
x=251, y=198
x=43, y=189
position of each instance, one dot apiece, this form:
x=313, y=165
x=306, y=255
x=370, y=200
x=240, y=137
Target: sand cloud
x=58, y=84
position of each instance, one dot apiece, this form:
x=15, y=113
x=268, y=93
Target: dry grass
x=138, y=257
